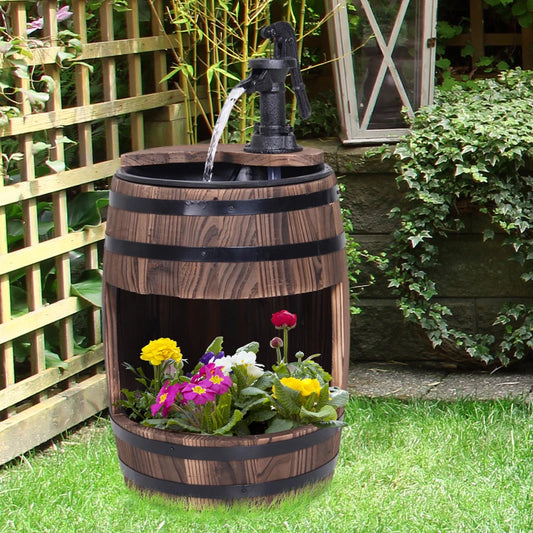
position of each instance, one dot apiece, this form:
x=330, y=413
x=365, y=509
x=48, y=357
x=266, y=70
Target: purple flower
x=209, y=357
x=63, y=13
x=165, y=398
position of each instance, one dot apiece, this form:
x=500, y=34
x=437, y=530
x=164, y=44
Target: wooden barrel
x=204, y=469
x=192, y=260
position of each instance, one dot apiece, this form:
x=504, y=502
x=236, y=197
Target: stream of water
x=221, y=123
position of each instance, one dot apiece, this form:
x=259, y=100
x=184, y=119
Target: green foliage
x=324, y=122
x=462, y=65
x=473, y=144
x=249, y=401
x=215, y=41
x=84, y=209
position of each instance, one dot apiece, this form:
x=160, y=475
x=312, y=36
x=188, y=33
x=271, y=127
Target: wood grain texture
x=209, y=279
x=297, y=459
x=227, y=153
x=191, y=301
x=194, y=301
x=52, y=416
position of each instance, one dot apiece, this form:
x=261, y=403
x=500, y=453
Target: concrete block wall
x=474, y=279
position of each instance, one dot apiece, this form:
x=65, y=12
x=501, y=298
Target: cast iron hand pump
x=273, y=135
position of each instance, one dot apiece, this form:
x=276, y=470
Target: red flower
x=283, y=319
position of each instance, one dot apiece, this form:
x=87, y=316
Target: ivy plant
x=473, y=144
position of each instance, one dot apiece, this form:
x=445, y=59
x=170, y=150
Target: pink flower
x=165, y=399
x=219, y=382
x=63, y=13
x=200, y=392
x=283, y=319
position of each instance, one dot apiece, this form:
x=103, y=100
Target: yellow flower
x=292, y=383
x=305, y=386
x=160, y=350
x=309, y=386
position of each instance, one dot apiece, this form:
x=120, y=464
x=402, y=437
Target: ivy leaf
x=417, y=239
x=56, y=166
x=488, y=234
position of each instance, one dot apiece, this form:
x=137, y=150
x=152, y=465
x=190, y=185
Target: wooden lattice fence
x=104, y=111
x=482, y=39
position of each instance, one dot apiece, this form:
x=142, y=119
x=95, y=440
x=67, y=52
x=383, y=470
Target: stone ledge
x=349, y=159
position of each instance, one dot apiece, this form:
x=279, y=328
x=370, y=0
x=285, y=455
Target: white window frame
x=354, y=122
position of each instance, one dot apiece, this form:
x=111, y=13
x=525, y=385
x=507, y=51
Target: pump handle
x=284, y=40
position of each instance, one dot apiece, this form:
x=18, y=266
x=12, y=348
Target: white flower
x=248, y=360
x=225, y=363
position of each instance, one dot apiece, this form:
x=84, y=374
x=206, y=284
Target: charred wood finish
x=206, y=469
x=259, y=258
x=226, y=153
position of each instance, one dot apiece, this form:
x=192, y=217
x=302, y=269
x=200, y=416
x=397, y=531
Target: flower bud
x=276, y=342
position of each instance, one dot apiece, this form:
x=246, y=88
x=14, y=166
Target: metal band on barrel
x=210, y=208
x=221, y=453
x=229, y=492
x=236, y=254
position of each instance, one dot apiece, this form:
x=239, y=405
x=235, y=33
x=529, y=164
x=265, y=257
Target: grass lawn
x=403, y=467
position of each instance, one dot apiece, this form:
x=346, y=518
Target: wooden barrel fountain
x=191, y=260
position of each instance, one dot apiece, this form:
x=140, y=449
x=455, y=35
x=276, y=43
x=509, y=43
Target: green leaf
x=215, y=346
x=49, y=82
x=85, y=209
x=253, y=391
x=325, y=414
x=35, y=98
x=89, y=288
x=338, y=397
x=288, y=399
x=52, y=360
x=39, y=147
x=226, y=429
x=280, y=424
x=56, y=166
x=488, y=234
x=250, y=347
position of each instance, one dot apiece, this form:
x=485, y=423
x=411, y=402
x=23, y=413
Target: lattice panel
x=100, y=102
